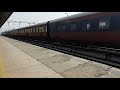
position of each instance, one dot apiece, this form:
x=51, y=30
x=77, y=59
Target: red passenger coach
x=97, y=28
x=89, y=28
x=39, y=31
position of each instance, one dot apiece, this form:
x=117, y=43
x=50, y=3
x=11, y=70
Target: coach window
x=58, y=29
x=28, y=30
x=83, y=25
x=45, y=28
x=35, y=29
x=39, y=29
x=73, y=27
x=104, y=23
x=32, y=30
x=63, y=27
x=88, y=26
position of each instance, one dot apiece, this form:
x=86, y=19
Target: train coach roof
x=60, y=19
x=74, y=16
x=32, y=26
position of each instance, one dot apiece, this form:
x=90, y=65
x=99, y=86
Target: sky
x=36, y=17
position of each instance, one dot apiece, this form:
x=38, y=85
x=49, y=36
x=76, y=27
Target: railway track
x=100, y=54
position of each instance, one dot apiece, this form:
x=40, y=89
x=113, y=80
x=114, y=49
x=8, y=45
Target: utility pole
x=9, y=25
x=66, y=14
x=19, y=22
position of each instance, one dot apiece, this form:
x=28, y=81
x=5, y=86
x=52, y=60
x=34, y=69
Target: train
x=87, y=28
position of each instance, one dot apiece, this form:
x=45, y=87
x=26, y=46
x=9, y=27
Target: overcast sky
x=37, y=17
